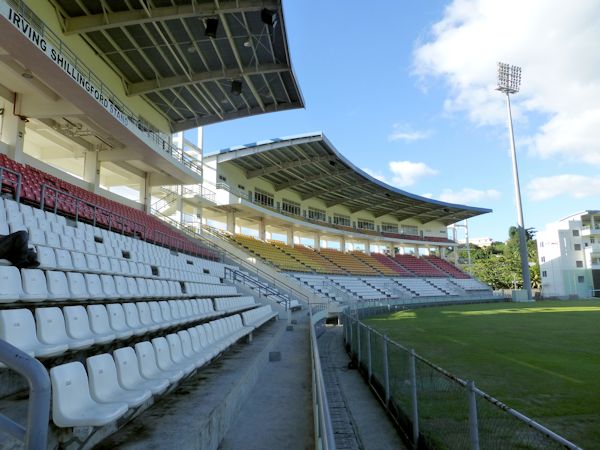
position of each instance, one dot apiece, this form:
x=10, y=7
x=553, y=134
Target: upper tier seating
x=420, y=287
x=310, y=258
x=106, y=213
x=419, y=266
x=447, y=267
x=373, y=262
x=358, y=288
x=270, y=253
x=348, y=262
x=390, y=263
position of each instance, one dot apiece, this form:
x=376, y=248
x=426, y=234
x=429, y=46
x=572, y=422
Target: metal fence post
x=414, y=401
x=369, y=367
x=358, y=342
x=386, y=370
x=473, y=426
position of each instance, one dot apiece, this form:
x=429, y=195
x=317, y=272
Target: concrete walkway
x=359, y=421
x=278, y=413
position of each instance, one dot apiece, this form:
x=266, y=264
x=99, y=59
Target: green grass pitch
x=542, y=359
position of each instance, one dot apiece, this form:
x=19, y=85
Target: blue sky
x=406, y=92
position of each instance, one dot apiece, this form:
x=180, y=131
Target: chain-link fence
x=435, y=409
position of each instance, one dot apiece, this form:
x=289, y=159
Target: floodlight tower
x=509, y=82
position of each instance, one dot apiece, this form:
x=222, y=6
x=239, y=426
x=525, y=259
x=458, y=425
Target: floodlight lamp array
x=509, y=78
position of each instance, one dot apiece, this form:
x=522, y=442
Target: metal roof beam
x=299, y=182
x=286, y=166
x=97, y=22
x=145, y=87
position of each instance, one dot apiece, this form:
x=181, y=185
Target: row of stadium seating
x=128, y=378
x=348, y=288
x=333, y=262
x=73, y=201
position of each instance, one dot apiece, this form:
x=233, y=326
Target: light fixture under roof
x=27, y=74
x=248, y=43
x=191, y=49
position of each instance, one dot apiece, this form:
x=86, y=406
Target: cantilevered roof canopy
x=312, y=167
x=160, y=50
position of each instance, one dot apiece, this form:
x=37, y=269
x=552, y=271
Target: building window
x=243, y=188
x=543, y=259
x=222, y=178
x=577, y=246
x=341, y=220
x=575, y=233
x=365, y=224
x=592, y=240
x=389, y=227
x=541, y=245
x=579, y=263
x=407, y=229
x=581, y=279
x=263, y=198
x=290, y=207
x=317, y=214
x=544, y=273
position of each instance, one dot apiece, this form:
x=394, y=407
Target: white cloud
x=403, y=132
x=576, y=186
x=406, y=173
x=556, y=43
x=468, y=195
x=375, y=174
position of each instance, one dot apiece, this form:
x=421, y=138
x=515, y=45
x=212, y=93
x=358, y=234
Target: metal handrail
x=113, y=218
x=18, y=182
x=35, y=435
x=236, y=275
x=154, y=137
x=324, y=438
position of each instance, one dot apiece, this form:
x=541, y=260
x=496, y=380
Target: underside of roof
x=313, y=168
x=162, y=51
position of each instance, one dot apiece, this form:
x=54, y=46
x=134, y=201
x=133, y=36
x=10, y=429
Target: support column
x=179, y=205
x=317, y=241
x=443, y=252
x=13, y=134
x=146, y=193
x=261, y=229
x=342, y=244
x=231, y=222
x=91, y=170
x=367, y=247
x=290, y=235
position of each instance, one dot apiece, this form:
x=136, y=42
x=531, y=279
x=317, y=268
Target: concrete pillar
x=368, y=248
x=91, y=170
x=261, y=229
x=342, y=244
x=317, y=241
x=13, y=133
x=290, y=235
x=593, y=226
x=179, y=206
x=443, y=252
x=231, y=222
x=146, y=193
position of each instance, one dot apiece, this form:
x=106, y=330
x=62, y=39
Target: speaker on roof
x=236, y=87
x=266, y=15
x=211, y=28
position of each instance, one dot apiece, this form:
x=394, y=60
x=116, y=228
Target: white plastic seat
x=92, y=263
x=77, y=286
x=65, y=241
x=128, y=373
x=177, y=355
x=79, y=244
x=166, y=361
x=46, y=257
x=34, y=285
x=117, y=319
x=121, y=286
x=37, y=237
x=51, y=329
x=58, y=288
x=108, y=286
x=90, y=247
x=132, y=318
x=146, y=317
x=104, y=383
x=72, y=404
x=205, y=342
x=63, y=259
x=176, y=312
x=17, y=327
x=94, y=286
x=78, y=325
x=132, y=287
x=199, y=359
x=115, y=265
x=142, y=287
x=10, y=280
x=104, y=265
x=79, y=261
x=149, y=367
x=202, y=352
x=100, y=323
x=165, y=312
x=52, y=239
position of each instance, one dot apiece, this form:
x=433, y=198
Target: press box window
x=317, y=214
x=290, y=207
x=263, y=198
x=342, y=220
x=389, y=228
x=364, y=224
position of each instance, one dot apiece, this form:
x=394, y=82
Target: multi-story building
x=569, y=256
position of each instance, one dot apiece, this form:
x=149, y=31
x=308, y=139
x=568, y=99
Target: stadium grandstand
x=163, y=271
